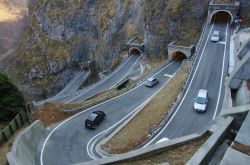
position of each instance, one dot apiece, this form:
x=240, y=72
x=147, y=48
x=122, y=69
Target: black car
x=94, y=119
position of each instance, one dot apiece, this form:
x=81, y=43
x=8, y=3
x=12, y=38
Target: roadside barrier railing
x=18, y=122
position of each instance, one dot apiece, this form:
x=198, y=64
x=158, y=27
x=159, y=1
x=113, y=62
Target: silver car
x=150, y=82
x=215, y=36
x=201, y=101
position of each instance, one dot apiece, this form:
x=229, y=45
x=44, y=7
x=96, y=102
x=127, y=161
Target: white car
x=201, y=101
x=215, y=36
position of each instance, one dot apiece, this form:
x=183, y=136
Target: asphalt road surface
x=69, y=93
x=74, y=84
x=110, y=82
x=210, y=72
x=67, y=142
x=70, y=88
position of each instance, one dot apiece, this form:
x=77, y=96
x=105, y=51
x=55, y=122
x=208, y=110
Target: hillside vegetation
x=11, y=99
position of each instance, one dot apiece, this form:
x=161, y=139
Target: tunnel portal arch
x=135, y=51
x=217, y=12
x=178, y=56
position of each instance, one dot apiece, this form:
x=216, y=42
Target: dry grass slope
x=178, y=155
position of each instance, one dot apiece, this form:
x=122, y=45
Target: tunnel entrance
x=134, y=51
x=222, y=16
x=178, y=56
x=85, y=68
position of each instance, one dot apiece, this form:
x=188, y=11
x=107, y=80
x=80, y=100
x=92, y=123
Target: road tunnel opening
x=135, y=51
x=178, y=56
x=221, y=16
x=85, y=68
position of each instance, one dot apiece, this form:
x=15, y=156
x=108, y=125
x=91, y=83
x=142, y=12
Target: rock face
x=61, y=34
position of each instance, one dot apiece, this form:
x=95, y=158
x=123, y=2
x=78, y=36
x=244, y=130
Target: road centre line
x=171, y=118
x=46, y=140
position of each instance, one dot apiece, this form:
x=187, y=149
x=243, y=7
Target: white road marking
x=168, y=75
x=162, y=140
x=222, y=75
x=185, y=92
x=126, y=73
x=46, y=140
x=79, y=95
x=90, y=153
x=222, y=42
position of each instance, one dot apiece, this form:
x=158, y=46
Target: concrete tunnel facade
x=222, y=12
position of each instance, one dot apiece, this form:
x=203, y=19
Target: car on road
x=215, y=36
x=94, y=119
x=150, y=82
x=201, y=101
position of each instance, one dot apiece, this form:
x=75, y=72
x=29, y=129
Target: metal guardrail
x=13, y=126
x=154, y=130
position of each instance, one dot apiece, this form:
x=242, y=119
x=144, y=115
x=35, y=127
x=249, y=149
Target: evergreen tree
x=11, y=99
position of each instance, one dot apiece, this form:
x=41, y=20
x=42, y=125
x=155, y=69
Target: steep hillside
x=61, y=35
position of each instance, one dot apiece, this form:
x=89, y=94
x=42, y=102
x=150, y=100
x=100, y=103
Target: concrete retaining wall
x=152, y=149
x=220, y=128
x=240, y=72
x=207, y=150
x=243, y=95
x=25, y=146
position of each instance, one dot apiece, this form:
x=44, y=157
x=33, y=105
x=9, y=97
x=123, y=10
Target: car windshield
x=92, y=116
x=201, y=100
x=216, y=34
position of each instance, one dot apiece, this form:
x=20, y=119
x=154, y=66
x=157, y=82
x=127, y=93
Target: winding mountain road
x=210, y=71
x=70, y=142
x=67, y=142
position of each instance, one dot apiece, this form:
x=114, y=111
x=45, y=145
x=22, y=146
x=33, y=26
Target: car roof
x=92, y=116
x=98, y=112
x=151, y=79
x=202, y=93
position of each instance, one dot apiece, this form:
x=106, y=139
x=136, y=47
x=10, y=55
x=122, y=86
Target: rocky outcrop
x=63, y=34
